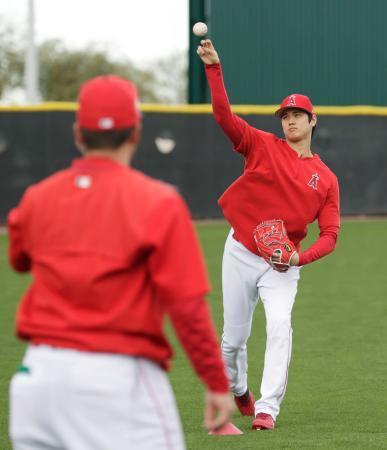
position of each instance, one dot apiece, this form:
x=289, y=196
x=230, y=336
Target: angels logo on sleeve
x=313, y=181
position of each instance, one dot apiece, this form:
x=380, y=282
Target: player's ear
x=135, y=135
x=314, y=120
x=78, y=137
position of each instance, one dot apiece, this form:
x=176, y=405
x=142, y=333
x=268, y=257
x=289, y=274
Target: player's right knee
x=234, y=344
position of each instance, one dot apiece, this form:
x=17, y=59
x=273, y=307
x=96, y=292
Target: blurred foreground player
x=283, y=188
x=111, y=250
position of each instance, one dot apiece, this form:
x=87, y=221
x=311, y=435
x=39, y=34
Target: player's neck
x=302, y=147
x=122, y=155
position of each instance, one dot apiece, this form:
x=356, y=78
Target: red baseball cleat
x=263, y=421
x=245, y=403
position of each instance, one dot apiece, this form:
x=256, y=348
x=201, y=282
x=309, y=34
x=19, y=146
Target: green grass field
x=337, y=392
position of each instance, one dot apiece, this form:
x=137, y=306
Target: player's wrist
x=295, y=259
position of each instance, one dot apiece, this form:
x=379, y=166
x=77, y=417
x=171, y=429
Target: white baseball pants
x=71, y=400
x=246, y=278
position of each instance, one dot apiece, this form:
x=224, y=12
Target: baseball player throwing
x=111, y=251
x=283, y=188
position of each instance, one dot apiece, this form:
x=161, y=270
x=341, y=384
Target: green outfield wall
x=332, y=50
x=184, y=146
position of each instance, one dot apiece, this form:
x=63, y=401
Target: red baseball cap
x=107, y=103
x=297, y=101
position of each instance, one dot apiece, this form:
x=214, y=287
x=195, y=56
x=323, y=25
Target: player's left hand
x=295, y=259
x=274, y=245
x=280, y=267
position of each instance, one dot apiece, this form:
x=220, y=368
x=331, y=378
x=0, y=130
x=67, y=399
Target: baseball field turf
x=337, y=392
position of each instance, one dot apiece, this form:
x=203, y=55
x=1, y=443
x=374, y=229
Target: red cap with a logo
x=297, y=101
x=107, y=103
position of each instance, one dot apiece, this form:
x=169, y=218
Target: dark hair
x=310, y=117
x=105, y=140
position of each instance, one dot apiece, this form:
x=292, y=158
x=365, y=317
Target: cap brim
x=279, y=111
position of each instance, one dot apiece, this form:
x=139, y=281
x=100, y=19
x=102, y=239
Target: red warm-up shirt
x=111, y=250
x=276, y=183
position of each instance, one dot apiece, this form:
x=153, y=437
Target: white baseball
x=199, y=29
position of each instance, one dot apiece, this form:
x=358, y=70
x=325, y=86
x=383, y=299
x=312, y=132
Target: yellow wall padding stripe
x=48, y=106
x=356, y=110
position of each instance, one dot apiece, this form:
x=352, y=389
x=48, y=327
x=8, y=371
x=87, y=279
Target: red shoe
x=263, y=421
x=245, y=403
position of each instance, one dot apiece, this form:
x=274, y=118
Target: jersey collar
x=97, y=162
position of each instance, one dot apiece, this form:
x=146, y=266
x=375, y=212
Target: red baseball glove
x=274, y=245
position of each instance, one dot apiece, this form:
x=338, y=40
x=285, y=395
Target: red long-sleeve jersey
x=111, y=251
x=276, y=183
